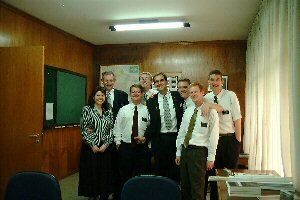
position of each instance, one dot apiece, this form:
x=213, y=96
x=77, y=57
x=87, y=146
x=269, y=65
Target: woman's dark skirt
x=95, y=172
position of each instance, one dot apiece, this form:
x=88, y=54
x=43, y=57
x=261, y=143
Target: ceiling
x=89, y=19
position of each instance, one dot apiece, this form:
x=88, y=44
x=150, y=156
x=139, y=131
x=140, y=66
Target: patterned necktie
x=134, y=125
x=216, y=99
x=167, y=114
x=108, y=100
x=184, y=106
x=190, y=128
x=144, y=99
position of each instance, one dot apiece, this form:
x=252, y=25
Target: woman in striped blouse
x=96, y=124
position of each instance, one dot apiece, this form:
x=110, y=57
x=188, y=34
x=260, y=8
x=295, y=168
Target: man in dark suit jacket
x=117, y=99
x=162, y=132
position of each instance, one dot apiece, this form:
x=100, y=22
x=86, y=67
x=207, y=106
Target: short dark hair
x=107, y=73
x=185, y=80
x=216, y=72
x=91, y=101
x=137, y=86
x=161, y=73
x=197, y=84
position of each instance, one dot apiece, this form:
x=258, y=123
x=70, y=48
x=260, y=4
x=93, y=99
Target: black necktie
x=216, y=99
x=134, y=125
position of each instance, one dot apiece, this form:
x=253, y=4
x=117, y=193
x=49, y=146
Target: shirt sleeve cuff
x=211, y=158
x=178, y=153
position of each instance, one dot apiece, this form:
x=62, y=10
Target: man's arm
x=210, y=105
x=238, y=129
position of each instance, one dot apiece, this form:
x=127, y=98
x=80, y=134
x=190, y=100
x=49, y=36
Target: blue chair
x=33, y=186
x=150, y=187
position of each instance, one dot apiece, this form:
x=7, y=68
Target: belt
x=133, y=144
x=169, y=133
x=226, y=134
x=194, y=147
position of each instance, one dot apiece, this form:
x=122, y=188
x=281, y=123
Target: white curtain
x=295, y=90
x=269, y=133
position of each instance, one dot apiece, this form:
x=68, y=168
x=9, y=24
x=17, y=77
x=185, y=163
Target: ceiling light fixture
x=147, y=25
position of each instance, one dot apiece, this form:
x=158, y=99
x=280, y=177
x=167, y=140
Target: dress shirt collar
x=168, y=95
x=112, y=91
x=132, y=106
x=220, y=94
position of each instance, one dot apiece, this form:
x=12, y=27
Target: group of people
x=182, y=135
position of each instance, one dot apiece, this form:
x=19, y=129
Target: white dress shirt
x=123, y=125
x=231, y=106
x=187, y=103
x=150, y=93
x=205, y=133
x=172, y=111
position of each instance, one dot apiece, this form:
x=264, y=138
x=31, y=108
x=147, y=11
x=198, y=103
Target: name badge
x=203, y=124
x=225, y=112
x=144, y=119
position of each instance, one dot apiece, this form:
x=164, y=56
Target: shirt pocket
x=225, y=115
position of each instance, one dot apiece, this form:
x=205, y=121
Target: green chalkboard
x=65, y=93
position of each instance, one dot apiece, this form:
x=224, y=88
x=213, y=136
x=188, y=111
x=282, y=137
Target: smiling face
x=109, y=81
x=196, y=94
x=161, y=83
x=215, y=81
x=183, y=89
x=146, y=81
x=99, y=98
x=136, y=95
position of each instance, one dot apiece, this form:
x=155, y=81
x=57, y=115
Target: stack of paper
x=243, y=189
x=276, y=186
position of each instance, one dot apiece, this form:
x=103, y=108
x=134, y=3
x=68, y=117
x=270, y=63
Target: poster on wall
x=126, y=75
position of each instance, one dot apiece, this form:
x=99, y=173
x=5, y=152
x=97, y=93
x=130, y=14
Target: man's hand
x=205, y=109
x=140, y=139
x=177, y=160
x=210, y=165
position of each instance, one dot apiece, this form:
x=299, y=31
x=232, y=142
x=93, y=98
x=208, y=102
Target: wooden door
x=21, y=111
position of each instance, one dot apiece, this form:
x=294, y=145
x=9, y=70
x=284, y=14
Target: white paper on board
x=49, y=111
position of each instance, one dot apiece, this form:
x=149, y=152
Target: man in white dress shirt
x=146, y=82
x=230, y=126
x=134, y=154
x=196, y=145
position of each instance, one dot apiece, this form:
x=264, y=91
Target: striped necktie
x=108, y=99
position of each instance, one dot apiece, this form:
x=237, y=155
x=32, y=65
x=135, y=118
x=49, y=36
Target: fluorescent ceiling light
x=145, y=26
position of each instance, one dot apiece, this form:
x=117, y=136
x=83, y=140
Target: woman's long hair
x=91, y=101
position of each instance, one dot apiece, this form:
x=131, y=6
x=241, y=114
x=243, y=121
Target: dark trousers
x=133, y=160
x=116, y=174
x=192, y=172
x=165, y=155
x=227, y=156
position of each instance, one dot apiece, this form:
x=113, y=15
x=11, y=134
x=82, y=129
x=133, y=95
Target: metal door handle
x=34, y=135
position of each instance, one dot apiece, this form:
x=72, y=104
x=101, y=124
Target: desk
x=222, y=188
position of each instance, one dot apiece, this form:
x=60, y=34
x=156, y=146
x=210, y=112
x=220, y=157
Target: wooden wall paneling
x=60, y=147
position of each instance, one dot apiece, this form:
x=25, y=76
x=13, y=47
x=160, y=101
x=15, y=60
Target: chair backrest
x=150, y=187
x=33, y=186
